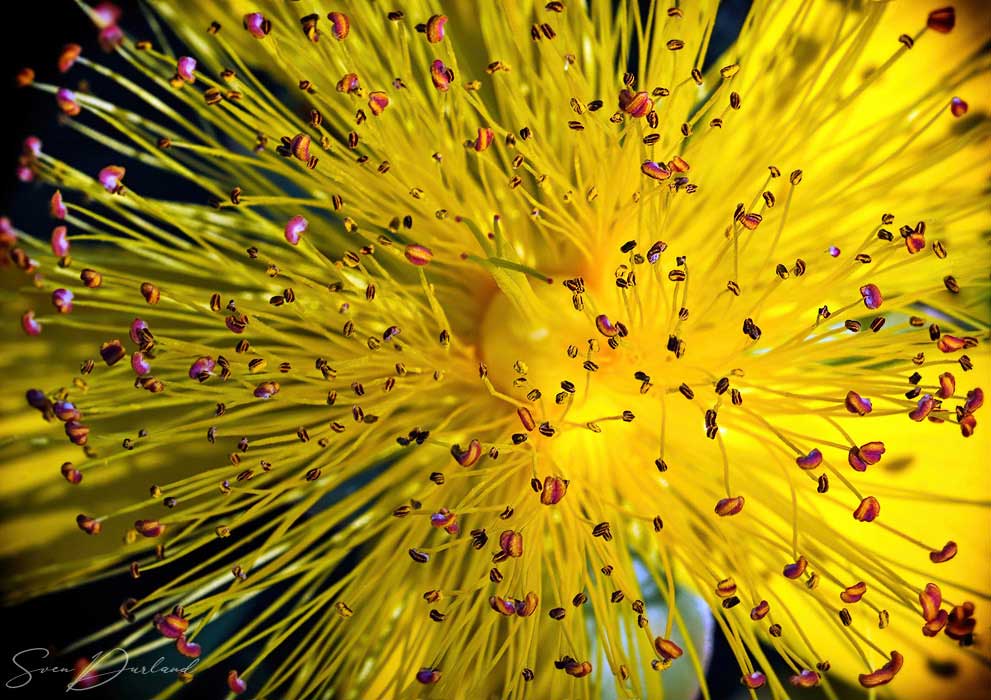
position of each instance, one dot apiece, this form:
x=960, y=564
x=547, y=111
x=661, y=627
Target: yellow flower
x=478, y=340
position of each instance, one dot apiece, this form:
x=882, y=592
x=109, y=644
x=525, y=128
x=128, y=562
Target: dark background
x=36, y=31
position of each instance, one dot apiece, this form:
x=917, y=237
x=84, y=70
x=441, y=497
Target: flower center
x=602, y=365
x=555, y=350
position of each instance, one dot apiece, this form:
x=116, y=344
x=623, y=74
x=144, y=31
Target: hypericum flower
x=486, y=365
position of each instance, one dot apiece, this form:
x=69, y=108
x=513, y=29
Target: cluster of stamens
x=380, y=364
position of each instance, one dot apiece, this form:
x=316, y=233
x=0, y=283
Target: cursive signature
x=104, y=667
